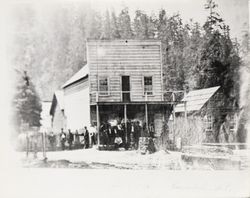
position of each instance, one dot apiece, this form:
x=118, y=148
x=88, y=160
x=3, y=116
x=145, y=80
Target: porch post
x=125, y=120
x=185, y=115
x=98, y=125
x=146, y=115
x=173, y=118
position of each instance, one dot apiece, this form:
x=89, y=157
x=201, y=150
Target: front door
x=125, y=89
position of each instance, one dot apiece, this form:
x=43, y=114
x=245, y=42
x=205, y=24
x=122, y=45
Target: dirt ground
x=132, y=160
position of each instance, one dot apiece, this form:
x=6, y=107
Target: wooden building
x=201, y=120
x=58, y=119
x=126, y=82
x=76, y=100
x=45, y=116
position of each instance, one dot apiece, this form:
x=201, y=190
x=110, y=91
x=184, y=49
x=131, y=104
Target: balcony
x=135, y=97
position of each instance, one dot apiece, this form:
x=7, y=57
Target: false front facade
x=125, y=83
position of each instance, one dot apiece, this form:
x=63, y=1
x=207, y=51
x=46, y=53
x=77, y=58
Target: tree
x=171, y=31
x=152, y=27
x=219, y=64
x=115, y=34
x=141, y=25
x=26, y=103
x=93, y=25
x=107, y=31
x=124, y=24
x=220, y=59
x=191, y=54
x=214, y=21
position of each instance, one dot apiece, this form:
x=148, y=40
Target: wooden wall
x=58, y=121
x=134, y=58
x=76, y=105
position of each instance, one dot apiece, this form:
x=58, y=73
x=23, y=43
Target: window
x=233, y=121
x=103, y=86
x=209, y=123
x=148, y=85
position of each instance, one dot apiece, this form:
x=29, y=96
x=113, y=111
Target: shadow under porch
x=151, y=116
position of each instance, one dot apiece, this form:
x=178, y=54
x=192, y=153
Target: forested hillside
x=51, y=47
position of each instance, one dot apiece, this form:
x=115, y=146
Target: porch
x=151, y=117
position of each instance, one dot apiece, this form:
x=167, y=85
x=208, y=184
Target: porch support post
x=98, y=124
x=173, y=119
x=125, y=120
x=185, y=115
x=146, y=115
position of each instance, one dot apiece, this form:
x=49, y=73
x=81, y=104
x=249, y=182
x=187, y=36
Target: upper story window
x=103, y=86
x=148, y=85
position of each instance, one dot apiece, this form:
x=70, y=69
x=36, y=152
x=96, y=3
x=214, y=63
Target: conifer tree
x=219, y=64
x=107, y=31
x=26, y=103
x=124, y=24
x=141, y=25
x=114, y=27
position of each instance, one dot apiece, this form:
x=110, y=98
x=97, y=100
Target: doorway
x=125, y=89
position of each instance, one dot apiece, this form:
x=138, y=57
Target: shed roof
x=196, y=99
x=82, y=73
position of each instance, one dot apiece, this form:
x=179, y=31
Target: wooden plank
x=122, y=67
x=125, y=60
x=125, y=53
x=122, y=57
x=127, y=45
x=95, y=65
x=121, y=49
x=127, y=56
x=124, y=42
x=118, y=70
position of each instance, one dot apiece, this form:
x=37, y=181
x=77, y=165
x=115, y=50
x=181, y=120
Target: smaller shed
x=201, y=124
x=57, y=112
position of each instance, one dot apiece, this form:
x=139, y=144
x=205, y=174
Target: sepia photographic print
x=125, y=98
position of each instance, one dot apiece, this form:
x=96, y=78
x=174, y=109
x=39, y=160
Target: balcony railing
x=133, y=96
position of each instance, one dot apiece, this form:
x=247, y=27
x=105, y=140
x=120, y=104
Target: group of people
x=117, y=135
x=124, y=135
x=70, y=140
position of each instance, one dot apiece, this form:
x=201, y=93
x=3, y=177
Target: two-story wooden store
x=126, y=82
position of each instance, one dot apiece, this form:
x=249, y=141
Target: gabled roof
x=58, y=99
x=82, y=73
x=196, y=99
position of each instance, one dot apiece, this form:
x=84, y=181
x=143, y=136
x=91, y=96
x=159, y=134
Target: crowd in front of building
x=82, y=138
x=124, y=135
